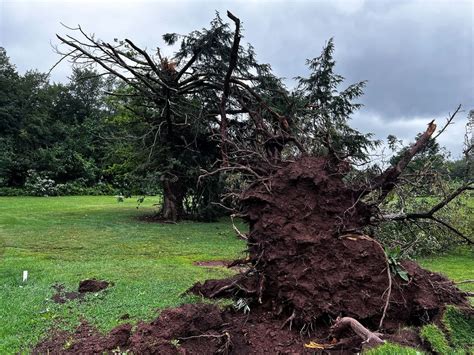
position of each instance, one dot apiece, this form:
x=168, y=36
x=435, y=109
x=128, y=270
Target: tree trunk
x=173, y=197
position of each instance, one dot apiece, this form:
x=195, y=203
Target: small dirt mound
x=92, y=285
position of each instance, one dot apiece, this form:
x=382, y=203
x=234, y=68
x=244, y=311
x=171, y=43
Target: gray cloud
x=416, y=55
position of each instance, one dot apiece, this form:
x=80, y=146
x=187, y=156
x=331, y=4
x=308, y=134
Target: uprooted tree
x=310, y=256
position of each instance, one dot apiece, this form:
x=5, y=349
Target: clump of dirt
x=92, y=285
x=62, y=296
x=85, y=286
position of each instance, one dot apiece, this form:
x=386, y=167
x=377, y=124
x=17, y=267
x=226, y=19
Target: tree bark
x=173, y=197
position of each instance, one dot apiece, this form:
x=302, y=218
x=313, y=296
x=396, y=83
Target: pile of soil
x=309, y=262
x=205, y=329
x=85, y=286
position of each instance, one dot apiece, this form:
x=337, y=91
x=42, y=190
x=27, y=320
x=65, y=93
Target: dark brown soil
x=85, y=286
x=191, y=329
x=92, y=285
x=62, y=296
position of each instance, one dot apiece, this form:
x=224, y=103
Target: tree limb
x=430, y=214
x=225, y=93
x=387, y=180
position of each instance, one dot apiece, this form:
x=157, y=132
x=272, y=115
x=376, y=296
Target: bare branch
x=226, y=91
x=387, y=180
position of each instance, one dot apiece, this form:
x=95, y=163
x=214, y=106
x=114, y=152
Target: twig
x=289, y=320
x=389, y=292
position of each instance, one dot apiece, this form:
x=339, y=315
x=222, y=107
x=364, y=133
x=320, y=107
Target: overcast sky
x=417, y=56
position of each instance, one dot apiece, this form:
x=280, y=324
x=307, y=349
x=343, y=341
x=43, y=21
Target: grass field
x=67, y=239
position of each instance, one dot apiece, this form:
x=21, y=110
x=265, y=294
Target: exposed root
x=223, y=349
x=227, y=346
x=464, y=282
x=237, y=231
x=389, y=292
x=368, y=337
x=224, y=288
x=289, y=320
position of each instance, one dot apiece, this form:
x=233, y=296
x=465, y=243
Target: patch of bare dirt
x=213, y=263
x=85, y=286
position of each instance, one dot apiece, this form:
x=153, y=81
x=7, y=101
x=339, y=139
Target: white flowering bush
x=39, y=185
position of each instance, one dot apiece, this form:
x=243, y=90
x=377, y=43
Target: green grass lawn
x=67, y=239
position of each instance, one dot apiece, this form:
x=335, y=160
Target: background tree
x=51, y=131
x=174, y=102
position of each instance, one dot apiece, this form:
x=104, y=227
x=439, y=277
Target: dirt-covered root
x=243, y=284
x=350, y=278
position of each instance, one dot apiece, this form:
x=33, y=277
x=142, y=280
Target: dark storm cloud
x=416, y=55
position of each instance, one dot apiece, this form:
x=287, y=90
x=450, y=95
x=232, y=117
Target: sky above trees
x=416, y=55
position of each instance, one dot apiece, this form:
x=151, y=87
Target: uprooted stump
x=310, y=262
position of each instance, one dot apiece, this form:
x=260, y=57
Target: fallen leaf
x=313, y=345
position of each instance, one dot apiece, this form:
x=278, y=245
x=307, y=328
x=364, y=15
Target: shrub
x=40, y=185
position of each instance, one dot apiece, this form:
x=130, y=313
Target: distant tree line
x=54, y=134
x=148, y=124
